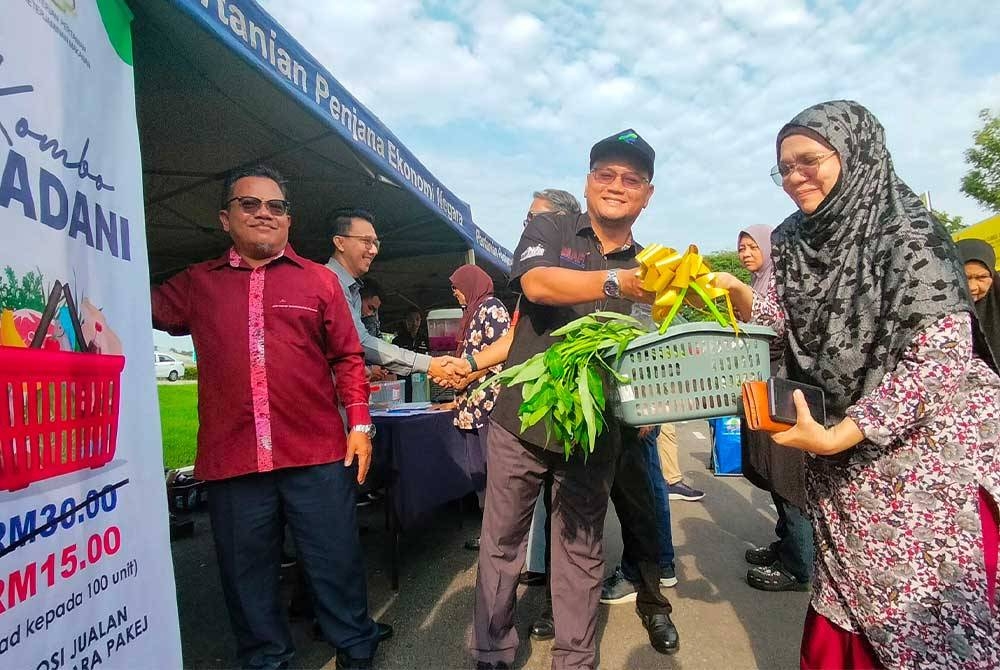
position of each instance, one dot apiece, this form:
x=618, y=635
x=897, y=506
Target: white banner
x=86, y=578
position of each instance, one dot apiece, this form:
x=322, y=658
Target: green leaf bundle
x=564, y=385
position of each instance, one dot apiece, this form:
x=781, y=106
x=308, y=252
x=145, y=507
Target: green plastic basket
x=693, y=371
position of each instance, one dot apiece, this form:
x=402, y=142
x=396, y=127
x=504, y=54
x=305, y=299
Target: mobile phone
x=782, y=405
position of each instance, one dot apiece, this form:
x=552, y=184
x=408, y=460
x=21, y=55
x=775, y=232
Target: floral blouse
x=472, y=406
x=899, y=539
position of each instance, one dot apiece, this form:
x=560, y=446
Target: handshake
x=451, y=372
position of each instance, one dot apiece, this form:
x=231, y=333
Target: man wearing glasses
x=355, y=246
x=269, y=327
x=566, y=266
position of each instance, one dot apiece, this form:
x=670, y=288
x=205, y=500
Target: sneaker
x=762, y=555
x=668, y=576
x=681, y=491
x=617, y=589
x=774, y=578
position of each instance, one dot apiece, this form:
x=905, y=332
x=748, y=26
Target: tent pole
x=470, y=257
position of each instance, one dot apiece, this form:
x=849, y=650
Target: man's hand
x=360, y=445
x=377, y=373
x=448, y=371
x=632, y=289
x=810, y=436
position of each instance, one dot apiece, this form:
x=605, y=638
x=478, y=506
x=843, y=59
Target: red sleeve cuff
x=357, y=415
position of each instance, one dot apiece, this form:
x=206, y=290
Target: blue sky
x=499, y=99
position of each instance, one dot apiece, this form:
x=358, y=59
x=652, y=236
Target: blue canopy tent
x=219, y=84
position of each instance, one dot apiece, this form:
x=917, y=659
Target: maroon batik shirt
x=267, y=340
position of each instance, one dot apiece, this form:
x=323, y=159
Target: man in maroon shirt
x=269, y=327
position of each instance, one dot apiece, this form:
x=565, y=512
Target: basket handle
x=50, y=311
x=74, y=317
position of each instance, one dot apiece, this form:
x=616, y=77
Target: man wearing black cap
x=566, y=266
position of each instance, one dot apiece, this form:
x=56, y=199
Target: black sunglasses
x=251, y=205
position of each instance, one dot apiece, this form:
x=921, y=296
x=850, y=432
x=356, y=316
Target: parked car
x=168, y=366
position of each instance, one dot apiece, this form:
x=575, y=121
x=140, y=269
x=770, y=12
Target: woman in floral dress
x=485, y=320
x=871, y=300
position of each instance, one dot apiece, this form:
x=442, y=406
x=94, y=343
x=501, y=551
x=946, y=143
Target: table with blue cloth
x=425, y=462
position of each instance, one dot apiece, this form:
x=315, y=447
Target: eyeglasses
x=530, y=216
x=630, y=180
x=807, y=166
x=982, y=278
x=251, y=205
x=369, y=242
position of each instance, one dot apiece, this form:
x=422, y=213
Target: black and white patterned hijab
x=861, y=276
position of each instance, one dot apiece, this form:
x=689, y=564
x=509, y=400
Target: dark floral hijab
x=865, y=273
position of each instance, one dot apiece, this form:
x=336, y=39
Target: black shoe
x=662, y=632
x=472, y=545
x=499, y=665
x=529, y=578
x=762, y=555
x=774, y=577
x=345, y=662
x=543, y=628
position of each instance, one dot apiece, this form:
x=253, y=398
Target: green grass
x=179, y=421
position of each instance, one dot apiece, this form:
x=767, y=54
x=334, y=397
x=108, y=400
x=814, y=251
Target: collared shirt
x=377, y=351
x=554, y=240
x=267, y=339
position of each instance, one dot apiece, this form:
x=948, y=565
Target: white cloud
x=532, y=85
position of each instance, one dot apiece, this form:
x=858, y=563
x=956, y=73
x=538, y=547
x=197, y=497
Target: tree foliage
x=982, y=182
x=952, y=224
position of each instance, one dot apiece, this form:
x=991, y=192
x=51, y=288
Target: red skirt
x=827, y=646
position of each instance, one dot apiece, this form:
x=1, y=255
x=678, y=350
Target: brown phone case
x=757, y=409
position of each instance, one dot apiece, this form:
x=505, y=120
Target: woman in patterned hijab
x=871, y=300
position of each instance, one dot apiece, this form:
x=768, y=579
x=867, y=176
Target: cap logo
x=629, y=137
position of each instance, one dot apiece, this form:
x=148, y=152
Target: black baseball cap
x=625, y=143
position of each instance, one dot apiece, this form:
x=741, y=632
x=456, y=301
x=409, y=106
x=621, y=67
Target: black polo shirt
x=564, y=241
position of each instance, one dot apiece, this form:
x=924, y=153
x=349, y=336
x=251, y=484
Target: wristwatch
x=366, y=428
x=612, y=288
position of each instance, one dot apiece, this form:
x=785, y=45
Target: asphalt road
x=723, y=623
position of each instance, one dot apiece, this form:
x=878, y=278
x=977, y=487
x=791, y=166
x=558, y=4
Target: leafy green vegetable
x=564, y=385
x=26, y=293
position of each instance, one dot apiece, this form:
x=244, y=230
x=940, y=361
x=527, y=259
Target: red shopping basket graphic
x=58, y=413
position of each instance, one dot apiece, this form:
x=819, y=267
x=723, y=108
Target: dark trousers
x=795, y=539
x=632, y=495
x=318, y=504
x=515, y=473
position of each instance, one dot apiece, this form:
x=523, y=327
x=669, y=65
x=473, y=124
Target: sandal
x=774, y=577
x=762, y=555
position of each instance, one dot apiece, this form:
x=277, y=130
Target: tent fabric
x=209, y=100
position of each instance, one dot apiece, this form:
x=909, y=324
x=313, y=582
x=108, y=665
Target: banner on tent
x=253, y=33
x=86, y=577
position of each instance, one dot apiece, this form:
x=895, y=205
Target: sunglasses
x=251, y=205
